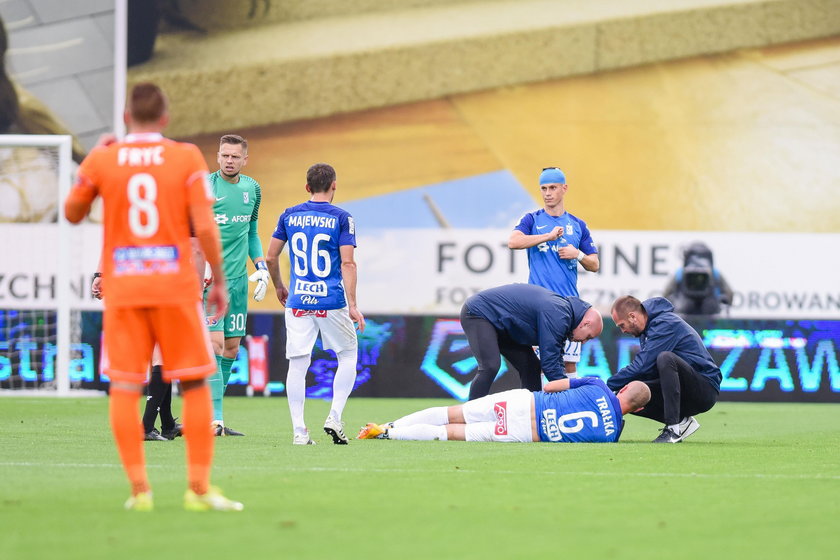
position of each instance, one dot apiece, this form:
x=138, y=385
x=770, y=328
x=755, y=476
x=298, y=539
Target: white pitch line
x=773, y=476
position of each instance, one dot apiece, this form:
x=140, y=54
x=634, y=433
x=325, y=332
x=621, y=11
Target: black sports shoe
x=154, y=435
x=229, y=432
x=175, y=431
x=667, y=436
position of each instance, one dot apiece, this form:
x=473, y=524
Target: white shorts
x=571, y=353
x=302, y=327
x=504, y=417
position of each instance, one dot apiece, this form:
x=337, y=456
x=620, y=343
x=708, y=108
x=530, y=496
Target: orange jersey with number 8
x=148, y=184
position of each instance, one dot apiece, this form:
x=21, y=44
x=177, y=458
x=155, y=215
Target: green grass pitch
x=756, y=481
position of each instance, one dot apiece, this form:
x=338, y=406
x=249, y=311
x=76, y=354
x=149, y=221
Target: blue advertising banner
x=428, y=356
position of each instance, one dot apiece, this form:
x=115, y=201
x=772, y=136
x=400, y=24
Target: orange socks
x=128, y=434
x=199, y=437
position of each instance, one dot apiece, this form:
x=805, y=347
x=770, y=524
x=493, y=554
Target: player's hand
x=208, y=275
x=357, y=317
x=556, y=233
x=568, y=252
x=217, y=298
x=282, y=294
x=261, y=278
x=96, y=287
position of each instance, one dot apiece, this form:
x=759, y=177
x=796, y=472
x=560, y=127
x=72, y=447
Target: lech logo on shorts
x=500, y=408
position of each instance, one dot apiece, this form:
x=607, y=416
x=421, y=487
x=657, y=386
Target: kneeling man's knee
x=666, y=359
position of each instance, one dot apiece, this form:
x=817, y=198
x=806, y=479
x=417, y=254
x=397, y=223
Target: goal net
x=49, y=331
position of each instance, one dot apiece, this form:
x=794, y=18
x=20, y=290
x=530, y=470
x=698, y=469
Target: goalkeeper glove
x=261, y=278
x=208, y=275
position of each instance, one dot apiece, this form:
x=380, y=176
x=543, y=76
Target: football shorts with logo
x=571, y=351
x=233, y=322
x=502, y=417
x=303, y=325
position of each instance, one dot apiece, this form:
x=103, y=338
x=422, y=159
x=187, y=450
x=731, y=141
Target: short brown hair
x=235, y=140
x=625, y=304
x=319, y=177
x=147, y=103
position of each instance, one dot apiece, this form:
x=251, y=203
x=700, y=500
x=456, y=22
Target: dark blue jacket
x=533, y=316
x=666, y=332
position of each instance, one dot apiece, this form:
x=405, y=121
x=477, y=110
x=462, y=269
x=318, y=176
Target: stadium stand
x=295, y=60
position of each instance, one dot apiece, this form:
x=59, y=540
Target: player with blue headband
x=557, y=242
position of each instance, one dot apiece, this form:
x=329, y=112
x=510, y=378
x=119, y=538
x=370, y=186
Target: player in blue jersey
x=565, y=411
x=672, y=360
x=556, y=242
x=321, y=296
x=510, y=320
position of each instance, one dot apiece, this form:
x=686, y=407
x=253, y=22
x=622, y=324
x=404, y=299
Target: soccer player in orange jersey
x=153, y=188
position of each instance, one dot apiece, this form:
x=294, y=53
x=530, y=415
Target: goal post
x=45, y=275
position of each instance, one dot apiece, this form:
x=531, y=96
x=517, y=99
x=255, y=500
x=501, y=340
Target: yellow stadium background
x=747, y=141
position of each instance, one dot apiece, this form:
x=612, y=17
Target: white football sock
x=418, y=432
x=296, y=391
x=345, y=378
x=437, y=416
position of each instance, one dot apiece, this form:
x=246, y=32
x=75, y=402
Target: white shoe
x=302, y=439
x=335, y=429
x=688, y=426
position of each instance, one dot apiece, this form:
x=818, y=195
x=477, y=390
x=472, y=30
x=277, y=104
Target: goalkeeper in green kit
x=236, y=209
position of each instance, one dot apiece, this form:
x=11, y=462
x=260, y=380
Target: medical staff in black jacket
x=510, y=320
x=683, y=378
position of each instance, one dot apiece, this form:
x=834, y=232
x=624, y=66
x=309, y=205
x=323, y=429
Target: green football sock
x=225, y=365
x=217, y=389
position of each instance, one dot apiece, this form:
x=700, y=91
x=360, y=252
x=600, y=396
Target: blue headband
x=552, y=175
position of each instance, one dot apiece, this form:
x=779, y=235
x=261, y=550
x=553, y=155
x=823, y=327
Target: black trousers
x=159, y=401
x=678, y=392
x=488, y=345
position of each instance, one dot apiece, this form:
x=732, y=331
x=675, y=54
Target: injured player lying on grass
x=566, y=410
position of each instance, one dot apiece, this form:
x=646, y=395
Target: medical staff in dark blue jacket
x=510, y=320
x=683, y=378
